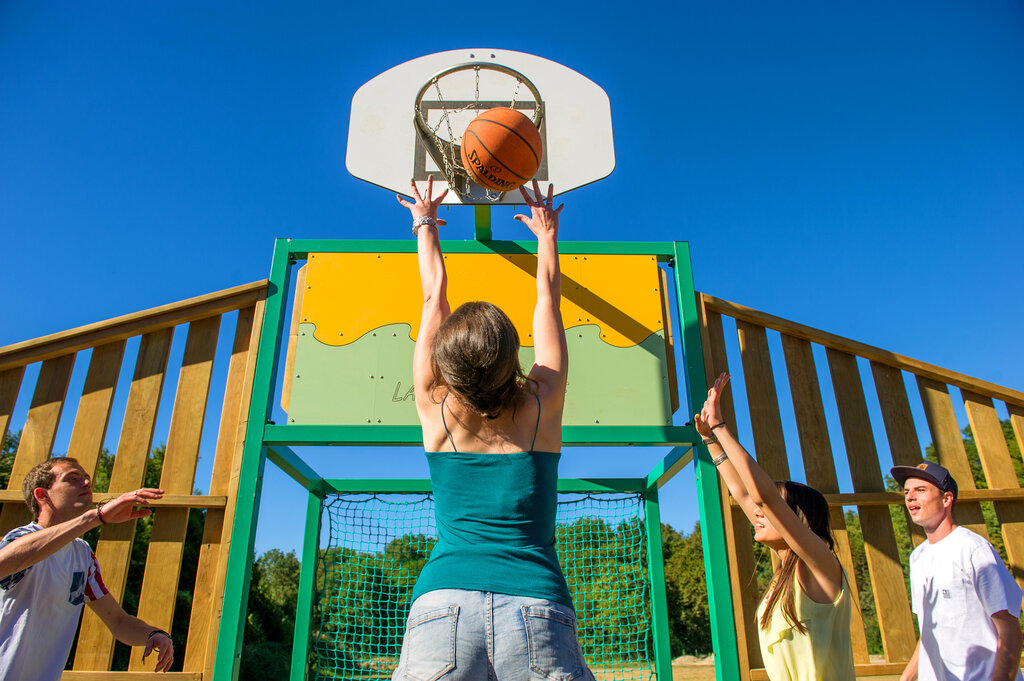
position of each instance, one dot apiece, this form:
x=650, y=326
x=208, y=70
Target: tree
x=687, y=592
x=270, y=621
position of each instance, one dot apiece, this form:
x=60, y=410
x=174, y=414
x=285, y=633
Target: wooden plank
x=862, y=671
x=237, y=442
x=819, y=465
x=135, y=324
x=1017, y=423
x=10, y=386
x=830, y=340
x=895, y=499
x=113, y=550
x=891, y=600
x=203, y=596
x=201, y=501
x=670, y=344
x=39, y=432
x=94, y=408
x=995, y=461
x=740, y=547
x=130, y=676
x=167, y=542
x=949, y=447
x=899, y=428
x=293, y=338
x=762, y=400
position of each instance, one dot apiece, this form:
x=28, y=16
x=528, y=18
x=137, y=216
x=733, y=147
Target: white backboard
x=384, y=149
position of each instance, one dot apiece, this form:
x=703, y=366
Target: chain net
x=377, y=544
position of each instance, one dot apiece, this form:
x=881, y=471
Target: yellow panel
x=347, y=295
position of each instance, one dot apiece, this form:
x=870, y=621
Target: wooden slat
x=895, y=499
x=293, y=338
x=762, y=400
x=899, y=428
x=819, y=465
x=830, y=340
x=167, y=542
x=670, y=344
x=995, y=461
x=862, y=671
x=206, y=573
x=130, y=676
x=889, y=588
x=740, y=549
x=236, y=441
x=113, y=550
x=10, y=386
x=202, y=501
x=949, y=447
x=1017, y=423
x=126, y=326
x=39, y=432
x=94, y=407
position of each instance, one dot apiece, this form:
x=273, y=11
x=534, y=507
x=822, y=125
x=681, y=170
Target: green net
x=376, y=546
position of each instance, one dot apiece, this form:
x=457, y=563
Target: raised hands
x=424, y=207
x=543, y=219
x=122, y=508
x=711, y=413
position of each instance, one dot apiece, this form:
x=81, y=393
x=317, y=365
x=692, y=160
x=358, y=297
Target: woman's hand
x=711, y=413
x=424, y=206
x=543, y=219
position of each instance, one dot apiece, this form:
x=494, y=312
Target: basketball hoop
x=437, y=120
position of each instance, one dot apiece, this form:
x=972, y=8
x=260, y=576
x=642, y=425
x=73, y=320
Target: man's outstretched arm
x=135, y=632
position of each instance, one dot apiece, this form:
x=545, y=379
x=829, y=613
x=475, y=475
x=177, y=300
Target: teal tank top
x=496, y=525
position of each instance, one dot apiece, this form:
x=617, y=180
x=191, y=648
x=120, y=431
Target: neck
x=48, y=516
x=941, y=530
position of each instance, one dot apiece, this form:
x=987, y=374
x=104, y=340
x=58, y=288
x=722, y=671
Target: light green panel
x=370, y=380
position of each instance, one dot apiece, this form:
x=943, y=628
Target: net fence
x=377, y=544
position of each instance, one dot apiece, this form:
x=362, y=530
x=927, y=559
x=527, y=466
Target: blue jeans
x=459, y=635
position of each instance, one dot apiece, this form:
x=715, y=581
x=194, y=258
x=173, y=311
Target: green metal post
x=659, y=599
x=716, y=564
x=243, y=528
x=482, y=230
x=307, y=582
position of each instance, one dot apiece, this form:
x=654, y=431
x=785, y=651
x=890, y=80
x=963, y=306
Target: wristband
x=710, y=440
x=718, y=425
x=100, y=515
x=157, y=631
x=719, y=459
x=420, y=221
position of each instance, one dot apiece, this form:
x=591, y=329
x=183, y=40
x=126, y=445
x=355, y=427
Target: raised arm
x=756, y=491
x=433, y=280
x=551, y=358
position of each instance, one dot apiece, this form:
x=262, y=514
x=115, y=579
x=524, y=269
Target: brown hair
x=41, y=475
x=476, y=356
x=810, y=506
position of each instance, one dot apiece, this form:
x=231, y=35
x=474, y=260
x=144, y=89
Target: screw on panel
x=369, y=421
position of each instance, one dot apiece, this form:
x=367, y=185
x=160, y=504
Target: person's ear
x=947, y=499
x=40, y=495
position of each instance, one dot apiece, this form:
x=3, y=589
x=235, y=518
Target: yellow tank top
x=822, y=653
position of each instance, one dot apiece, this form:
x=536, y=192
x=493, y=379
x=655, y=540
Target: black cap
x=926, y=470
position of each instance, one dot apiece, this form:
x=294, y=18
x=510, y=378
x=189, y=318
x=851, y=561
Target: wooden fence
x=811, y=409
x=105, y=344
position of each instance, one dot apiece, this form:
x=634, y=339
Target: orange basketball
x=501, y=149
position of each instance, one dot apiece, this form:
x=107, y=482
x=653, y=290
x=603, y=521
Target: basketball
x=501, y=149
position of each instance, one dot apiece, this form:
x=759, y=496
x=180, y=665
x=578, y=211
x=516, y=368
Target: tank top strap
x=445, y=424
x=537, y=426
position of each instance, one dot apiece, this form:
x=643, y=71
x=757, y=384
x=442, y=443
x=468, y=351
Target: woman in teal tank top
x=805, y=614
x=491, y=602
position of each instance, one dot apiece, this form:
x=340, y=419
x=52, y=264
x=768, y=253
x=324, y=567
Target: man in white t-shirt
x=47, y=573
x=966, y=601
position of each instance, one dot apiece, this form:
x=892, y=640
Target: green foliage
x=689, y=619
x=270, y=621
x=7, y=451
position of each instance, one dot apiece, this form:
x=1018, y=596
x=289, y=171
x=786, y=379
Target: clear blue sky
x=858, y=167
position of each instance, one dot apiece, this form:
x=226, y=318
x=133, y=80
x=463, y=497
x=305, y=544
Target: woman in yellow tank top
x=804, y=616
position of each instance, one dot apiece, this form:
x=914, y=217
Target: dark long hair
x=810, y=506
x=476, y=356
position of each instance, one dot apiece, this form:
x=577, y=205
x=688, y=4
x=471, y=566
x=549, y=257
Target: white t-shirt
x=956, y=585
x=40, y=607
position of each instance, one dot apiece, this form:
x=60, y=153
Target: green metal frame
x=265, y=440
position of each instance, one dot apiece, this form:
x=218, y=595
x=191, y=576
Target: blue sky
x=858, y=167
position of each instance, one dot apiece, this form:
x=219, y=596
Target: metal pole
x=659, y=599
x=716, y=564
x=307, y=582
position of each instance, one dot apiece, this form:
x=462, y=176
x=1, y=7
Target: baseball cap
x=926, y=470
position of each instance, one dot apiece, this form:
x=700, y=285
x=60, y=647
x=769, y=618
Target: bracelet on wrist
x=420, y=221
x=718, y=425
x=718, y=460
x=710, y=440
x=99, y=515
x=157, y=631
